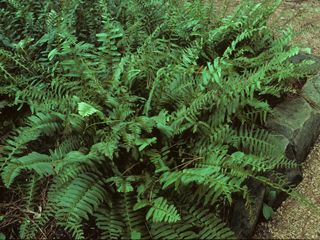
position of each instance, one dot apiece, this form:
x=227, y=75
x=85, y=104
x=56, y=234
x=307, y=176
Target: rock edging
x=296, y=122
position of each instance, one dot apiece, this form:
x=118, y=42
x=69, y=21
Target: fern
x=109, y=221
x=211, y=225
x=133, y=219
x=30, y=199
x=144, y=118
x=77, y=200
x=162, y=211
x=40, y=163
x=86, y=110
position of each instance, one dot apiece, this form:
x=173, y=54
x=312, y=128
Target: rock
x=285, y=145
x=311, y=92
x=313, y=68
x=243, y=220
x=296, y=120
x=294, y=176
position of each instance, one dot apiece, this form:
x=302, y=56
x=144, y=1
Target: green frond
x=109, y=221
x=76, y=201
x=86, y=110
x=108, y=39
x=211, y=226
x=208, y=178
x=268, y=154
x=158, y=159
x=40, y=163
x=173, y=231
x=162, y=211
x=30, y=198
x=134, y=219
x=40, y=124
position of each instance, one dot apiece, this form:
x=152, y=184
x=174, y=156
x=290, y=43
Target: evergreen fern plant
x=146, y=117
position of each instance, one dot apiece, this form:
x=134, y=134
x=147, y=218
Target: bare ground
x=304, y=17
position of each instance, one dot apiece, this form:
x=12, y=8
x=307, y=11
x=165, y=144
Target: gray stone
x=294, y=176
x=296, y=120
x=284, y=145
x=311, y=92
x=296, y=124
x=313, y=68
x=243, y=220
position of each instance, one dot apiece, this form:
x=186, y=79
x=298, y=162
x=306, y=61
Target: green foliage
x=81, y=197
x=33, y=161
x=2, y=236
x=267, y=211
x=146, y=117
x=30, y=204
x=162, y=211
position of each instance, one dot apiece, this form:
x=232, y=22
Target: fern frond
x=162, y=211
x=173, y=231
x=133, y=219
x=40, y=163
x=109, y=221
x=210, y=178
x=30, y=206
x=211, y=226
x=80, y=198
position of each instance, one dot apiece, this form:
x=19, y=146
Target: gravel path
x=293, y=220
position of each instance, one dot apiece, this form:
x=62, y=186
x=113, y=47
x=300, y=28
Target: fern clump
x=146, y=117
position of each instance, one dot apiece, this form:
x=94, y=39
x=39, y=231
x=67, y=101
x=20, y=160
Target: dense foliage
x=146, y=118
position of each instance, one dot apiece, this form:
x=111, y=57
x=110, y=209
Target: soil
x=304, y=17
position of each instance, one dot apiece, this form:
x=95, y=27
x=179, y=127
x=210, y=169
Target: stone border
x=296, y=122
